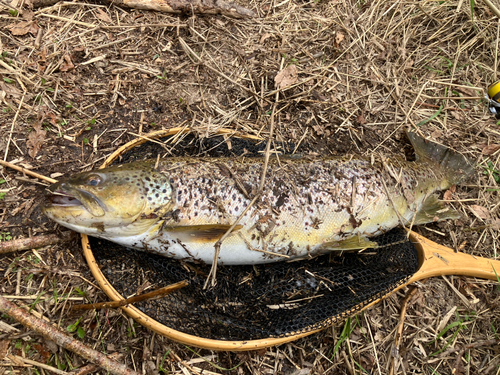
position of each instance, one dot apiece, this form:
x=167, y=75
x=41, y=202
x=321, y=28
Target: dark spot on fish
x=127, y=179
x=148, y=179
x=158, y=187
x=157, y=195
x=164, y=191
x=149, y=198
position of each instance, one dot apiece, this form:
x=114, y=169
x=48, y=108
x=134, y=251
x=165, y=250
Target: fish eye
x=93, y=180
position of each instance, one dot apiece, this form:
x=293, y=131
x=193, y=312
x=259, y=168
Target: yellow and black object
x=493, y=96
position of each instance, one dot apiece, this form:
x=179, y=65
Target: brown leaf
x=28, y=15
x=35, y=141
x=448, y=195
x=37, y=136
x=339, y=37
x=264, y=37
x=495, y=224
x=103, y=16
x=25, y=27
x=43, y=352
x=436, y=134
x=68, y=65
x=286, y=77
x=480, y=211
x=490, y=149
x=361, y=120
x=22, y=28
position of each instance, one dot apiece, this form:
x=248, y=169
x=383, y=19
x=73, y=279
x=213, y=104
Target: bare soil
x=97, y=76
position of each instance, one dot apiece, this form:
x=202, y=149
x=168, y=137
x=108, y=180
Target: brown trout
x=182, y=206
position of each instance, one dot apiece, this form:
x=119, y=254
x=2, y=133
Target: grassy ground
x=96, y=76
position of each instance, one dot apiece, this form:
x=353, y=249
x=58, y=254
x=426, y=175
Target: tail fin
x=456, y=166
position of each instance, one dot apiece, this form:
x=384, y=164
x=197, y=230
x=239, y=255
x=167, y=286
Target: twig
x=114, y=304
x=34, y=242
x=401, y=324
x=17, y=358
x=27, y=171
x=213, y=271
x=12, y=129
x=55, y=334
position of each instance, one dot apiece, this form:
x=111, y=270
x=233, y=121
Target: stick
x=114, y=304
x=55, y=334
x=27, y=171
x=34, y=242
x=175, y=6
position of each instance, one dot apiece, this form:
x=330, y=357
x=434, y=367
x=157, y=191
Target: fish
x=180, y=207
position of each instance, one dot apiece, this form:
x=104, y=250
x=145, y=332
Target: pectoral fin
x=434, y=210
x=199, y=233
x=351, y=243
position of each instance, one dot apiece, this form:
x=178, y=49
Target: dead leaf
x=37, y=136
x=339, y=37
x=448, y=195
x=286, y=77
x=436, y=134
x=361, y=120
x=103, y=16
x=28, y=14
x=490, y=149
x=495, y=224
x=68, y=65
x=4, y=347
x=35, y=140
x=264, y=37
x=480, y=211
x=25, y=27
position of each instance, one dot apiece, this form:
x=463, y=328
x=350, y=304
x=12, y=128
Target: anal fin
x=351, y=243
x=434, y=210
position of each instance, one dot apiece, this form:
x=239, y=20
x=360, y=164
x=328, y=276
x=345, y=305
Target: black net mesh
x=254, y=302
x=257, y=302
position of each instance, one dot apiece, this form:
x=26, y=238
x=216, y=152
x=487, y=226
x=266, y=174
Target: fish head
x=117, y=201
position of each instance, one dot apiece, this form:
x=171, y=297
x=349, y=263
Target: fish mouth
x=61, y=198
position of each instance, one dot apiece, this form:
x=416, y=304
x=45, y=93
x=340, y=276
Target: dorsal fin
x=456, y=166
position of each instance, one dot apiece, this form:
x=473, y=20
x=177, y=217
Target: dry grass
x=366, y=72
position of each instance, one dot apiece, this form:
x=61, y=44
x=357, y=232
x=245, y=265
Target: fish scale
x=180, y=207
